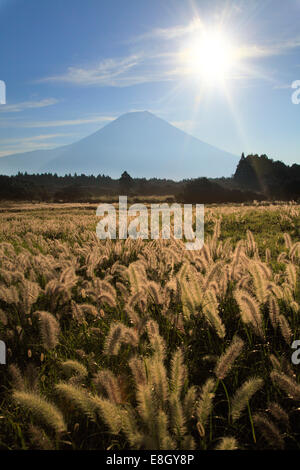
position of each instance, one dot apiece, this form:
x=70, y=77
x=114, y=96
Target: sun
x=209, y=55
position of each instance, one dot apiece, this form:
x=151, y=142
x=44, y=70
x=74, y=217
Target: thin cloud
x=27, y=147
x=121, y=72
x=18, y=107
x=196, y=26
x=27, y=144
x=153, y=65
x=271, y=49
x=285, y=86
x=34, y=138
x=108, y=72
x=171, y=33
x=59, y=123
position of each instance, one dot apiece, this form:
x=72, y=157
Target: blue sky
x=72, y=66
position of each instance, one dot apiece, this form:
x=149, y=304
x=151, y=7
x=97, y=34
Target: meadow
x=143, y=344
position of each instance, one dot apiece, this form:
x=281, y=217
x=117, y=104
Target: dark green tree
x=125, y=182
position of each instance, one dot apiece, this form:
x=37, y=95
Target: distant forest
x=256, y=178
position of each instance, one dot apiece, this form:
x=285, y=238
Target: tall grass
x=143, y=344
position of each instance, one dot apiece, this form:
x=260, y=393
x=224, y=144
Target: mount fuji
x=139, y=142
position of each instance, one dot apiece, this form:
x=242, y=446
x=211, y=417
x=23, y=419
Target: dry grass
x=143, y=344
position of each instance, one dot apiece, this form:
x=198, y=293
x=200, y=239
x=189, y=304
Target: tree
x=246, y=173
x=125, y=182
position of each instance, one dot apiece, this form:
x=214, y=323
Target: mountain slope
x=140, y=143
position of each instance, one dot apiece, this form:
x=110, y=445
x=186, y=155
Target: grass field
x=143, y=344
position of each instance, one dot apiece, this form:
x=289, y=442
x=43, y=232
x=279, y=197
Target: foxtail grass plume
x=243, y=395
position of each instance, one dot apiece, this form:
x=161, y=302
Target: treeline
x=205, y=191
x=256, y=178
x=273, y=179
x=49, y=187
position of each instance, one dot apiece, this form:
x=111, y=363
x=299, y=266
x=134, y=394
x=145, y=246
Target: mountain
x=140, y=143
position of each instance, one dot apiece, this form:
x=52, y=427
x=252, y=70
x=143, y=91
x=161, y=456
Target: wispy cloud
x=251, y=50
x=27, y=147
x=27, y=144
x=55, y=123
x=18, y=107
x=111, y=72
x=119, y=72
x=158, y=58
x=196, y=25
x=269, y=49
x=35, y=138
x=283, y=86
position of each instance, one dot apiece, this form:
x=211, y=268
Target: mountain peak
x=136, y=115
x=139, y=142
